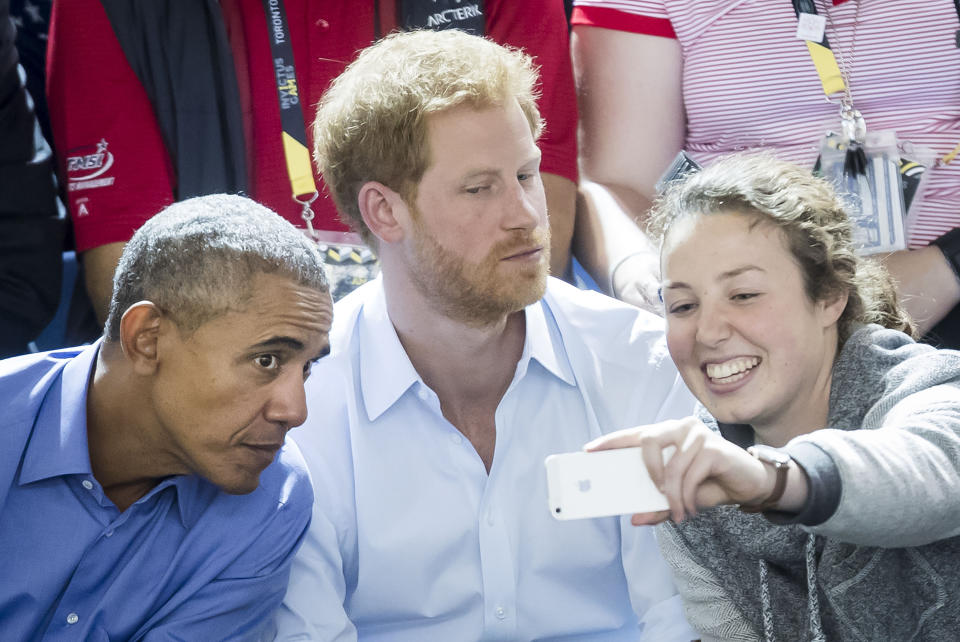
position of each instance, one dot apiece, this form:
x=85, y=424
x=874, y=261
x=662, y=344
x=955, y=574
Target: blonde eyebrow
x=533, y=159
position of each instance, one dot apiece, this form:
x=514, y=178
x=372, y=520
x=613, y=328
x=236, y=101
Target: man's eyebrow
x=478, y=173
x=533, y=159
x=279, y=342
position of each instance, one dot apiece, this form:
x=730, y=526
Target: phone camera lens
x=558, y=509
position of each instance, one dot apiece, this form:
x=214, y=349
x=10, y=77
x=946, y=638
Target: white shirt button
x=73, y=618
x=87, y=484
x=423, y=394
x=455, y=438
x=501, y=613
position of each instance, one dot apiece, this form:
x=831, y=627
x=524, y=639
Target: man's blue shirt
x=185, y=562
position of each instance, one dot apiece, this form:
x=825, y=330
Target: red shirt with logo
x=112, y=156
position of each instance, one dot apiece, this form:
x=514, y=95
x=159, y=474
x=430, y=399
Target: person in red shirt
x=119, y=172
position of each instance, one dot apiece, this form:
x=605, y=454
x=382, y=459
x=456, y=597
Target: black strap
x=956, y=5
x=294, y=133
x=291, y=114
x=181, y=55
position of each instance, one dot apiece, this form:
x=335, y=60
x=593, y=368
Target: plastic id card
x=873, y=197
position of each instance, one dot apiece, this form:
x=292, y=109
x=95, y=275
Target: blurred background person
x=153, y=102
x=712, y=77
x=819, y=411
x=31, y=230
x=32, y=20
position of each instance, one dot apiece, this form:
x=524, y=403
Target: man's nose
x=526, y=207
x=288, y=403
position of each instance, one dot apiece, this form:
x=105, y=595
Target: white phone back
x=600, y=484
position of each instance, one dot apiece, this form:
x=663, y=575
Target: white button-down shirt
x=411, y=538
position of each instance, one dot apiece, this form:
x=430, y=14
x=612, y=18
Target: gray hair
x=196, y=260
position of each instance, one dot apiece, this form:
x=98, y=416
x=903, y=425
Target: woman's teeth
x=730, y=371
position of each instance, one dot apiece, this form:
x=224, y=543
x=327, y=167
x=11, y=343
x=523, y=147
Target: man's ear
x=383, y=211
x=139, y=334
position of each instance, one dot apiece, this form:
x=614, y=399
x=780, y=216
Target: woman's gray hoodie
x=875, y=554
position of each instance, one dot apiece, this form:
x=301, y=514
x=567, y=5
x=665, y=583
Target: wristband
x=780, y=462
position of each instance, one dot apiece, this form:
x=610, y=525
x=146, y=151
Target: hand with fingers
x=706, y=470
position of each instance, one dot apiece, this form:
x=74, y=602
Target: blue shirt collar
x=194, y=495
x=58, y=444
x=385, y=369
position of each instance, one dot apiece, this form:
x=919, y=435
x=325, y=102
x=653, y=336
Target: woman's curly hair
x=812, y=218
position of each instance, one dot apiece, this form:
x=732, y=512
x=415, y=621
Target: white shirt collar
x=385, y=369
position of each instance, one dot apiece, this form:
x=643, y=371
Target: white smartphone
x=601, y=484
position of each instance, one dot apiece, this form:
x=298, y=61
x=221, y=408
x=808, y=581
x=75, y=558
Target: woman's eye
x=268, y=361
x=744, y=296
x=681, y=308
x=477, y=189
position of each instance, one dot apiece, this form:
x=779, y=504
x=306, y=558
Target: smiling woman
x=819, y=411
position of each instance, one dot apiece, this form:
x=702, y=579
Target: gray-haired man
x=141, y=490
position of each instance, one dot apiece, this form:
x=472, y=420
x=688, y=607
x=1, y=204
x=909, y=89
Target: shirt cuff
x=823, y=483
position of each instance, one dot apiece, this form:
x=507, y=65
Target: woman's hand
x=706, y=470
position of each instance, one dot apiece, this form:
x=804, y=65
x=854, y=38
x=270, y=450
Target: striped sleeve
x=647, y=17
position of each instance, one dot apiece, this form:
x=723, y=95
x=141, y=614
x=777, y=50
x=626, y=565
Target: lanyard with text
x=294, y=134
